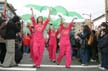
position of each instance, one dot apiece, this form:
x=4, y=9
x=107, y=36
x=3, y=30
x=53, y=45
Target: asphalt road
x=27, y=65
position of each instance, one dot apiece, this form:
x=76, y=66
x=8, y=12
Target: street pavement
x=27, y=65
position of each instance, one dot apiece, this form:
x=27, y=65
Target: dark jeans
x=26, y=49
x=84, y=55
x=74, y=52
x=104, y=60
x=2, y=52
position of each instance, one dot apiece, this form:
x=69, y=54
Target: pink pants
x=38, y=50
x=52, y=52
x=65, y=50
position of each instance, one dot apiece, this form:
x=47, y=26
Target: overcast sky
x=95, y=7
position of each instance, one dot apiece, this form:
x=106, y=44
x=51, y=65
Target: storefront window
x=1, y=7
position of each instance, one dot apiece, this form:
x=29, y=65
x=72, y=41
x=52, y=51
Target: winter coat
x=103, y=43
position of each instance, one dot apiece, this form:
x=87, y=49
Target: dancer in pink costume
x=38, y=41
x=65, y=46
x=52, y=43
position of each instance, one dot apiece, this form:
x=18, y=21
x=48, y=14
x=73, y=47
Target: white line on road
x=61, y=66
x=19, y=69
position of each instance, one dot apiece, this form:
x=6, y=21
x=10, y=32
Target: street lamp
x=73, y=19
x=90, y=17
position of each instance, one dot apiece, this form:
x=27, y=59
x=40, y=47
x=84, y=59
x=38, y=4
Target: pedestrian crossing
x=17, y=69
x=29, y=67
x=61, y=66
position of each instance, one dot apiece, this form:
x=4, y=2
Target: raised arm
x=61, y=27
x=49, y=31
x=47, y=20
x=57, y=32
x=61, y=24
x=32, y=18
x=71, y=23
x=61, y=19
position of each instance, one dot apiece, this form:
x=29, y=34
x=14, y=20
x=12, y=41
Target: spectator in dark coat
x=84, y=50
x=73, y=47
x=2, y=40
x=12, y=28
x=103, y=46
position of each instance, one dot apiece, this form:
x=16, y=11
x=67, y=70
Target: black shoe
x=67, y=66
x=34, y=66
x=57, y=63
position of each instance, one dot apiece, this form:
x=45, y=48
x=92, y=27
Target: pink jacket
x=65, y=34
x=39, y=30
x=52, y=36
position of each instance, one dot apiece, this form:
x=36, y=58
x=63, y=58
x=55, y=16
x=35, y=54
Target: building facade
x=97, y=21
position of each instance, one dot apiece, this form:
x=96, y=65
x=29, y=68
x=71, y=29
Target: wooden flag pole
x=5, y=5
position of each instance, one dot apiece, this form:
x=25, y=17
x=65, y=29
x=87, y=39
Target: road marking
x=61, y=66
x=19, y=69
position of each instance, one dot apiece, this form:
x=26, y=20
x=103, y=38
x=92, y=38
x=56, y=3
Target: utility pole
x=106, y=10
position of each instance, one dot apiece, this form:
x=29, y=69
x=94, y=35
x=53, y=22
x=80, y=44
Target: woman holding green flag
x=38, y=41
